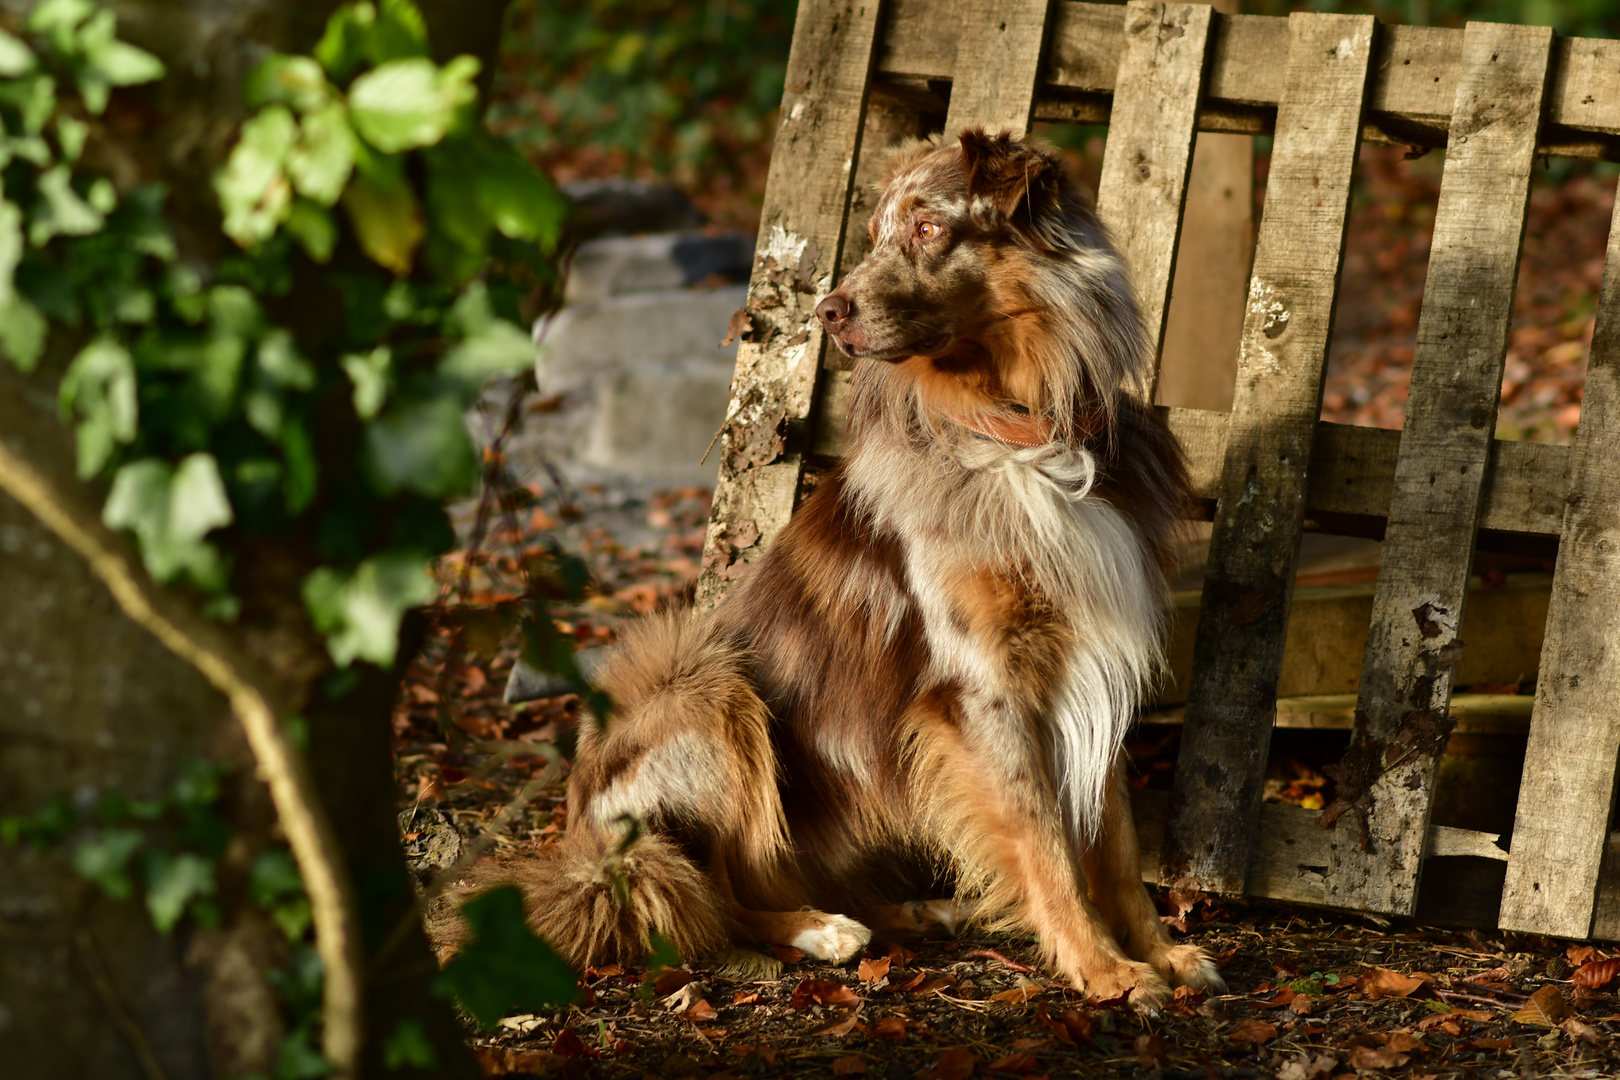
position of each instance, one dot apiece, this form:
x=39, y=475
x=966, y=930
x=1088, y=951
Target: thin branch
x=121, y=1019
x=292, y=789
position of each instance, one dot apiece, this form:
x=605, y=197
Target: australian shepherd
x=908, y=715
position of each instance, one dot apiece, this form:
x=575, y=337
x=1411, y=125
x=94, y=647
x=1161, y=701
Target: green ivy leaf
x=360, y=611
x=405, y=104
x=16, y=58
x=357, y=33
x=174, y=881
x=505, y=968
x=34, y=98
x=104, y=858
x=323, y=159
x=521, y=202
x=22, y=332
x=11, y=249
x=59, y=20
x=99, y=385
x=312, y=226
x=371, y=374
x=421, y=446
x=299, y=1060
x=490, y=346
x=170, y=510
x=252, y=189
x=408, y=1046
x=278, y=358
x=109, y=62
x=281, y=79
x=387, y=220
x=61, y=211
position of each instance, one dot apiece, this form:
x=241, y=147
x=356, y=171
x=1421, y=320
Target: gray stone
x=588, y=340
x=656, y=421
x=631, y=264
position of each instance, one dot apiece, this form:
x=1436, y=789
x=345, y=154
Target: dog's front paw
x=1147, y=988
x=833, y=938
x=1188, y=965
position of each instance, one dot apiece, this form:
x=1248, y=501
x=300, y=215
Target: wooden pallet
x=863, y=75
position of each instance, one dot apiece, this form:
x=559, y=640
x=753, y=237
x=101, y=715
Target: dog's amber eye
x=927, y=230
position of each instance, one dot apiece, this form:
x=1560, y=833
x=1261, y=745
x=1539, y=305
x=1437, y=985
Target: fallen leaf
x=685, y=997
x=1302, y=1005
x=1018, y=994
x=912, y=983
x=1021, y=1062
x=700, y=1012
x=568, y=1044
x=1403, y=1043
x=608, y=970
x=1367, y=1057
x=1546, y=1008
x=938, y=982
x=788, y=954
x=957, y=1063
x=1596, y=974
x=1150, y=1052
x=900, y=956
x=670, y=981
x=1283, y=998
x=890, y=1027
x=1581, y=954
x=1383, y=983
x=850, y=1065
x=1581, y=1032
x=828, y=992
x=1031, y=1044
x=841, y=1027
x=1492, y=1044
x=1253, y=1031
x=745, y=997
x=874, y=971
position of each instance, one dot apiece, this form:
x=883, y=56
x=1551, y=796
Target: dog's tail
x=596, y=901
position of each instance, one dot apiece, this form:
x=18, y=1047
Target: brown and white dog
x=920, y=690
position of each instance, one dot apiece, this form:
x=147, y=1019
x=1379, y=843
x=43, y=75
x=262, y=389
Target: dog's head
x=991, y=282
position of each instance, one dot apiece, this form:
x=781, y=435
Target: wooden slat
x=1567, y=793
x=1410, y=96
x=999, y=49
x=1150, y=141
x=1414, y=641
x=1352, y=473
x=1255, y=543
x=801, y=240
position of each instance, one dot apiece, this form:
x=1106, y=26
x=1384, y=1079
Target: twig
x=115, y=1008
x=991, y=954
x=292, y=789
x=1454, y=995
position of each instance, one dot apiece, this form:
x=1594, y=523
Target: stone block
x=630, y=264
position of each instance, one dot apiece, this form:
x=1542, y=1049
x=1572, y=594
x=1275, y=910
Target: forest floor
x=1311, y=994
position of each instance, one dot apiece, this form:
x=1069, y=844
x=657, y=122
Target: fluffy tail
x=594, y=904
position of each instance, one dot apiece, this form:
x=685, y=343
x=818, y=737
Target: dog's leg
x=1008, y=840
x=1114, y=877
x=919, y=919
x=836, y=939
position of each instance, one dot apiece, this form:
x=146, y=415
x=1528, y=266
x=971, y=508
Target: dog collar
x=1015, y=426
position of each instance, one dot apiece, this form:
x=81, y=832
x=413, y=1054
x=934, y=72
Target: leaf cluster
x=308, y=388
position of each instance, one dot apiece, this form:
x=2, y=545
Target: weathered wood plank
x=1150, y=140
x=1410, y=96
x=1261, y=506
x=1386, y=783
x=998, y=54
x=1352, y=473
x=1569, y=773
x=801, y=240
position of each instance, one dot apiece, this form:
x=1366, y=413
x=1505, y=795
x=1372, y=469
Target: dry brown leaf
x=851, y=1065
x=1581, y=1032
x=1031, y=1044
x=745, y=997
x=1304, y=1067
x=910, y=984
x=701, y=1012
x=1018, y=1063
x=1018, y=994
x=1367, y=1057
x=670, y=981
x=1581, y=954
x=1302, y=1005
x=900, y=955
x=788, y=954
x=957, y=1063
x=1596, y=974
x=890, y=1027
x=1150, y=1051
x=1253, y=1031
x=841, y=1027
x=1492, y=1044
x=827, y=992
x=874, y=971
x=1383, y=983
x=1402, y=1043
x=1546, y=1008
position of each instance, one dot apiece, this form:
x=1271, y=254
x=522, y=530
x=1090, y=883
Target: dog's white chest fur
x=1028, y=512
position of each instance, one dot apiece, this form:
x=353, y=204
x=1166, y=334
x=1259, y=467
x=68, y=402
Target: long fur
x=922, y=687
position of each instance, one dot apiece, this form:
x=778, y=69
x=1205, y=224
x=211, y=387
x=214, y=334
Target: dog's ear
x=1018, y=178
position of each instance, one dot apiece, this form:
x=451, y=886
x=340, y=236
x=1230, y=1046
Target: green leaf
x=281, y=79
x=34, y=98
x=106, y=62
x=22, y=332
x=170, y=510
x=99, y=385
x=409, y=103
x=505, y=968
x=323, y=159
x=299, y=1060
x=278, y=358
x=521, y=202
x=298, y=453
x=172, y=882
x=421, y=446
x=387, y=220
x=11, y=249
x=360, y=612
x=104, y=859
x=16, y=58
x=252, y=189
x=312, y=226
x=70, y=136
x=371, y=374
x=61, y=211
x=408, y=1046
x=274, y=876
x=59, y=19
x=357, y=33
x=491, y=346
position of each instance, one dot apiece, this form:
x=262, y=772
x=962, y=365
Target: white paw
x=837, y=939
x=1188, y=965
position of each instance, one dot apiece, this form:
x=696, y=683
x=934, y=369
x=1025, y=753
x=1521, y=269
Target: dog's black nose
x=834, y=311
